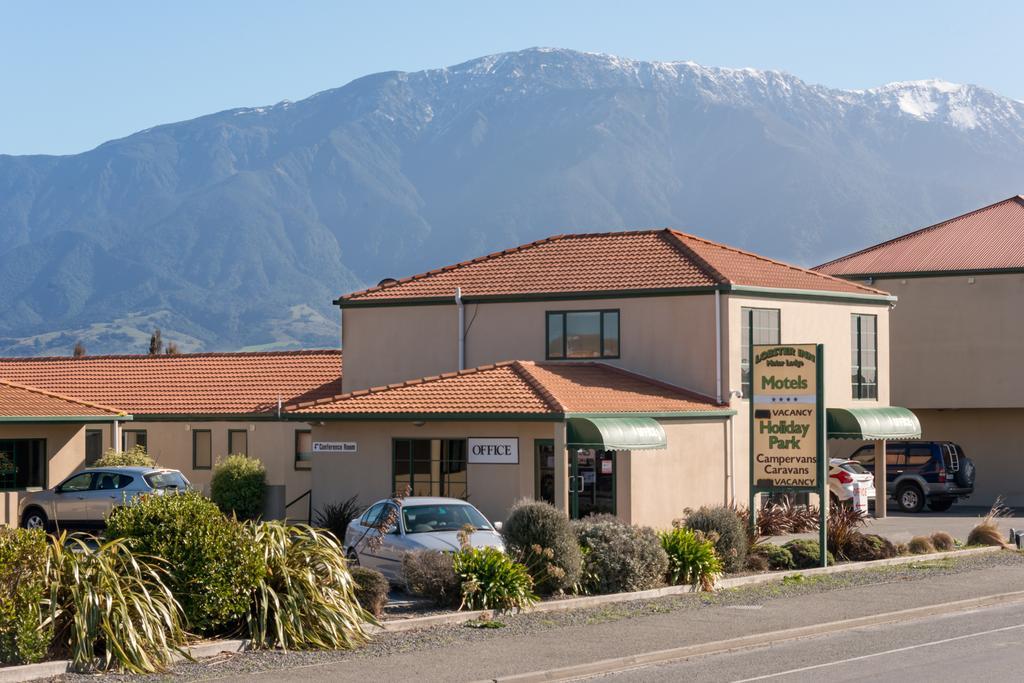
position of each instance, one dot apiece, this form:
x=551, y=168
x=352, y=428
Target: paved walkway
x=595, y=639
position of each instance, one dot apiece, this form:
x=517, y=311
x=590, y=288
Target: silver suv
x=85, y=499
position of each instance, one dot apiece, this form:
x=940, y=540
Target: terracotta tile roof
x=185, y=384
x=990, y=238
x=642, y=260
x=17, y=400
x=521, y=388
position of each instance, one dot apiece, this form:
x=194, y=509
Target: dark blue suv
x=933, y=472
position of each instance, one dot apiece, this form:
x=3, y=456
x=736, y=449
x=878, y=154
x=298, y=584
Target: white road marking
x=879, y=654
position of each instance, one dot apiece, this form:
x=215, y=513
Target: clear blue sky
x=75, y=74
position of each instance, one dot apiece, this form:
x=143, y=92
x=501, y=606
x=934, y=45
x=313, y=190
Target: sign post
x=787, y=425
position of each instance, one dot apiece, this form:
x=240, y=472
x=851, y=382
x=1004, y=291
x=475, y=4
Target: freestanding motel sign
x=787, y=430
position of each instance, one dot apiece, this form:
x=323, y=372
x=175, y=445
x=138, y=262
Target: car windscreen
x=168, y=479
x=854, y=467
x=426, y=518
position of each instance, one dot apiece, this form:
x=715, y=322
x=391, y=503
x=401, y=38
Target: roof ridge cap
x=766, y=259
x=67, y=399
x=523, y=370
x=702, y=263
x=914, y=233
x=169, y=356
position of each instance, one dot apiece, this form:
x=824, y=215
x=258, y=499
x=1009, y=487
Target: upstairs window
x=864, y=352
x=582, y=334
x=766, y=323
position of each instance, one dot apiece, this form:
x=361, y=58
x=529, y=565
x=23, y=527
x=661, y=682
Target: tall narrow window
x=238, y=441
x=582, y=334
x=864, y=355
x=202, y=449
x=130, y=438
x=766, y=324
x=303, y=449
x=93, y=446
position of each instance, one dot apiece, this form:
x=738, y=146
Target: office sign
x=335, y=447
x=787, y=416
x=494, y=451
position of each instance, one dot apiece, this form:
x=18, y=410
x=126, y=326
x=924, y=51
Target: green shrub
x=691, y=558
x=214, y=562
x=920, y=545
x=866, y=547
x=239, y=485
x=23, y=584
x=492, y=580
x=943, y=541
x=335, y=517
x=307, y=597
x=619, y=557
x=136, y=456
x=110, y=608
x=806, y=553
x=371, y=590
x=431, y=574
x=720, y=522
x=536, y=530
x=776, y=556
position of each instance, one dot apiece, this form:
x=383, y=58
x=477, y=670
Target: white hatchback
x=845, y=477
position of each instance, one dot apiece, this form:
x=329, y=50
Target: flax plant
x=307, y=598
x=110, y=609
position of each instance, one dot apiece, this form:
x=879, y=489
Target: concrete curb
x=31, y=672
x=586, y=601
x=755, y=640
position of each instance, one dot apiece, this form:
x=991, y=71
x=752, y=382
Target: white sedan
x=845, y=477
x=420, y=523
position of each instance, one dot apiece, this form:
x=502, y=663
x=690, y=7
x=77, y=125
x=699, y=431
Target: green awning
x=615, y=433
x=868, y=424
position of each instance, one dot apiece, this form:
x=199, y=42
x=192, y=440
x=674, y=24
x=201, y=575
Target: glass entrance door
x=591, y=483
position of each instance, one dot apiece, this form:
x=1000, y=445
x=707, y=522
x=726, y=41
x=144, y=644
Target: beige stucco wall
x=803, y=322
x=367, y=473
x=993, y=439
x=671, y=338
x=65, y=452
x=957, y=344
x=654, y=487
x=170, y=444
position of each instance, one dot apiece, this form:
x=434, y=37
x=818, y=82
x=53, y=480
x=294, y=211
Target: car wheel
x=34, y=519
x=940, y=505
x=910, y=498
x=353, y=557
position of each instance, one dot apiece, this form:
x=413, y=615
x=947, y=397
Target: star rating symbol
x=784, y=399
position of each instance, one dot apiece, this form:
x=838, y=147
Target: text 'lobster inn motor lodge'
x=605, y=373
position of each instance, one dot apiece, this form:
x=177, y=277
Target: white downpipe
x=718, y=346
x=732, y=463
x=462, y=328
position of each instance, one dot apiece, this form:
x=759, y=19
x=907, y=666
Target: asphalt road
x=980, y=645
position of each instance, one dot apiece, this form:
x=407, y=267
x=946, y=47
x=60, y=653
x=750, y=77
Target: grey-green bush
x=619, y=557
x=534, y=523
x=805, y=553
x=776, y=556
x=431, y=574
x=239, y=485
x=213, y=561
x=732, y=543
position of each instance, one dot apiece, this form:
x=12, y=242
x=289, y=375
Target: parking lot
x=900, y=527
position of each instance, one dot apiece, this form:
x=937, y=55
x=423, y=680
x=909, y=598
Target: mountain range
x=237, y=229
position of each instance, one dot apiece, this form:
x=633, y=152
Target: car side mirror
x=497, y=526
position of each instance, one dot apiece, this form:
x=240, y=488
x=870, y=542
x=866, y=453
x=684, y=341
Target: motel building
x=957, y=335
x=604, y=373
x=59, y=414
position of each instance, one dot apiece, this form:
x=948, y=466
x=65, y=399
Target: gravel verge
x=386, y=644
